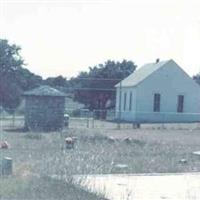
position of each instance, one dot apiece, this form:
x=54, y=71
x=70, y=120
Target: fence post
x=163, y=121
x=93, y=119
x=88, y=122
x=13, y=119
x=120, y=96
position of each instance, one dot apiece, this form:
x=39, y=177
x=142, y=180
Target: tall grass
x=96, y=152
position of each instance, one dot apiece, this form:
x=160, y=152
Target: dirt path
x=145, y=187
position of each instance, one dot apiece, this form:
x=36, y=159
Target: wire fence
x=45, y=154
x=108, y=119
x=83, y=120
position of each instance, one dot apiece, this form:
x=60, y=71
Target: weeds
x=35, y=136
x=97, y=152
x=42, y=188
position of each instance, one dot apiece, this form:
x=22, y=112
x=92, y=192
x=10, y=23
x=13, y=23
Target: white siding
x=170, y=81
x=126, y=114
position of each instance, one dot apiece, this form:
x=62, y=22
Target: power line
x=103, y=79
x=95, y=89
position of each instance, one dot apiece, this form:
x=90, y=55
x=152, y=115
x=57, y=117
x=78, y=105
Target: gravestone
x=6, y=166
x=183, y=161
x=69, y=142
x=197, y=153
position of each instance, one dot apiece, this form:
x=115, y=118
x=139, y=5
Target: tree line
x=95, y=88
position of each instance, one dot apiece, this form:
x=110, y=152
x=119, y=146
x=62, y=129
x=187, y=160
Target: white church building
x=158, y=92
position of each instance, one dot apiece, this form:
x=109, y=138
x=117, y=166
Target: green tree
x=96, y=87
x=58, y=81
x=14, y=78
x=26, y=79
x=10, y=62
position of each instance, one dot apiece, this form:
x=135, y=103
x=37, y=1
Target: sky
x=64, y=37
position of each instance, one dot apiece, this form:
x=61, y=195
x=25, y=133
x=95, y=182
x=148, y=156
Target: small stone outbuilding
x=44, y=109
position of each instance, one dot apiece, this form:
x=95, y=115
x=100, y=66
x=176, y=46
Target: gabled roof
x=139, y=75
x=44, y=90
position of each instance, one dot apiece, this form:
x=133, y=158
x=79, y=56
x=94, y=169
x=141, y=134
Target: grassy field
x=44, y=188
x=36, y=156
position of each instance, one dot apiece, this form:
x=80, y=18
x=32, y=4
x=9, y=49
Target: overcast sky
x=64, y=37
